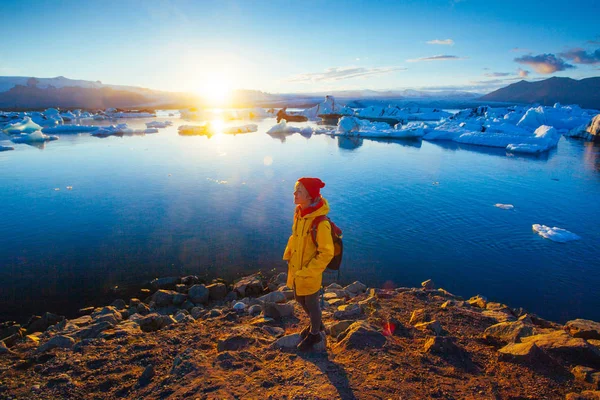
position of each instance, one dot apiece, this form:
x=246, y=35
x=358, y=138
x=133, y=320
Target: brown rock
x=587, y=375
x=583, y=328
x=478, y=301
x=419, y=316
x=442, y=345
x=507, y=332
x=337, y=328
x=522, y=353
x=432, y=326
x=428, y=284
x=360, y=335
x=585, y=395
x=233, y=343
x=563, y=346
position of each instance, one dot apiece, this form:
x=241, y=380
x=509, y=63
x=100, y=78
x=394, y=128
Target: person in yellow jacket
x=307, y=260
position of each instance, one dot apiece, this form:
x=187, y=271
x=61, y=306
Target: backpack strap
x=314, y=226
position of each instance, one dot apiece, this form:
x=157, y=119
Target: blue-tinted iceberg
x=33, y=137
x=24, y=126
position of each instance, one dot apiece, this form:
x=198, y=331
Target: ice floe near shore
x=121, y=129
x=24, y=126
x=33, y=137
x=158, y=124
x=71, y=129
x=555, y=234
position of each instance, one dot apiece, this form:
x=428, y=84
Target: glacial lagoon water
x=161, y=204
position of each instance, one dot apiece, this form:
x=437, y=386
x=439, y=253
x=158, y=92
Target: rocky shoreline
x=237, y=341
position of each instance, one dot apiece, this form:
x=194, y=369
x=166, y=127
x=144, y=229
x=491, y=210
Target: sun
x=216, y=91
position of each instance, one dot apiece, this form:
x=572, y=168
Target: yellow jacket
x=306, y=262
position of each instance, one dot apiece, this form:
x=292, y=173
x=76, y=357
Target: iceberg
x=394, y=114
x=283, y=127
x=33, y=137
x=24, y=126
x=158, y=124
x=353, y=126
x=6, y=148
x=327, y=109
x=555, y=234
x=121, y=129
x=546, y=137
x=193, y=130
x=504, y=206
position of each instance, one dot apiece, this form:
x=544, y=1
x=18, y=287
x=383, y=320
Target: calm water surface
x=164, y=204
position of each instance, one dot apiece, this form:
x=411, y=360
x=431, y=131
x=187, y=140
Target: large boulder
x=507, y=332
x=276, y=310
x=40, y=324
x=337, y=328
x=478, y=301
x=92, y=331
x=217, y=291
x=168, y=282
x=348, y=311
x=587, y=375
x=273, y=297
x=164, y=298
x=153, y=322
x=198, y=294
x=249, y=286
x=583, y=328
x=355, y=288
x=58, y=341
x=558, y=345
x=360, y=335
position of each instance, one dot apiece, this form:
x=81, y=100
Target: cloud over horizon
x=447, y=42
x=342, y=73
x=544, y=63
x=580, y=56
x=496, y=74
x=436, y=58
x=523, y=73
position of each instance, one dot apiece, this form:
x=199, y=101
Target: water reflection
x=492, y=151
x=591, y=155
x=349, y=142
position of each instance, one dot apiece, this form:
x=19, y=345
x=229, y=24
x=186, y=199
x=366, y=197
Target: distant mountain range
x=584, y=92
x=26, y=93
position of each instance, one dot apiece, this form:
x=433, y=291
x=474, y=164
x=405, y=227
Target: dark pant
x=311, y=305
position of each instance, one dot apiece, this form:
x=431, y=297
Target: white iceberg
x=33, y=137
x=283, y=127
x=327, y=108
x=121, y=129
x=193, y=129
x=546, y=137
x=158, y=124
x=555, y=234
x=504, y=206
x=24, y=126
x=353, y=126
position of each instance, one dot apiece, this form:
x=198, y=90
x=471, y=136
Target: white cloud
x=447, y=42
x=342, y=73
x=496, y=74
x=437, y=58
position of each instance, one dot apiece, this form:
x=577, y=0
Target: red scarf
x=313, y=207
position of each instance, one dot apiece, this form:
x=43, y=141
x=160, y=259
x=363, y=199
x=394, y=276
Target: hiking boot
x=304, y=332
x=309, y=341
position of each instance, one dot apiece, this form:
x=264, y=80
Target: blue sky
x=301, y=46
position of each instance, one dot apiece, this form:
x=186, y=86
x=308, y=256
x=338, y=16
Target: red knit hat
x=313, y=186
